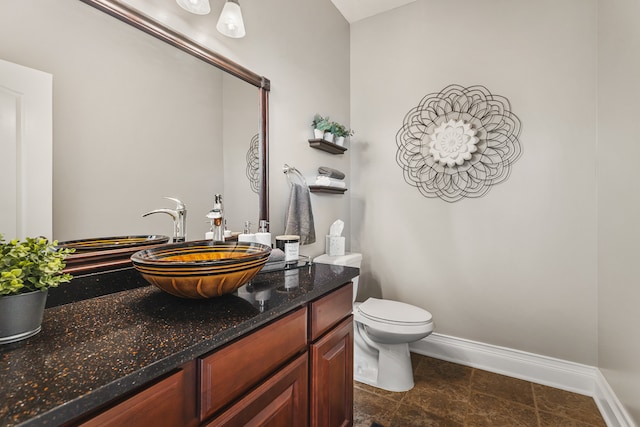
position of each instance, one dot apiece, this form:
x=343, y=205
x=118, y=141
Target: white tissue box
x=334, y=245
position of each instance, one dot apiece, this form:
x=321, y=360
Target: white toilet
x=383, y=331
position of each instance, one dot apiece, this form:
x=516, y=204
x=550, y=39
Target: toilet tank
x=352, y=259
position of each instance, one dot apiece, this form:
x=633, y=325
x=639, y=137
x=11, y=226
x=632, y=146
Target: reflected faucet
x=216, y=216
x=179, y=215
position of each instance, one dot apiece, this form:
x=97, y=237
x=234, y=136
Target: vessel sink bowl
x=115, y=242
x=201, y=269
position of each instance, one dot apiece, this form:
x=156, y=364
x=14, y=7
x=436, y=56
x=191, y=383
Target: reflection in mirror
x=137, y=119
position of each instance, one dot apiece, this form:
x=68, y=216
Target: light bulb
x=230, y=22
x=199, y=7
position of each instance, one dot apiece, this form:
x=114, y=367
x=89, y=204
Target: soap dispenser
x=216, y=215
x=246, y=235
x=263, y=236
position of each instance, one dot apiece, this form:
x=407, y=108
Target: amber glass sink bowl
x=201, y=269
x=109, y=243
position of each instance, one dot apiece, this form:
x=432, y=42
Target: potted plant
x=341, y=132
x=27, y=270
x=321, y=126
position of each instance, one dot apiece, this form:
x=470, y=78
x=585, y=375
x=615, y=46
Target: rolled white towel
x=330, y=182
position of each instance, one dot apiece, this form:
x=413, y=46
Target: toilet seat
x=394, y=313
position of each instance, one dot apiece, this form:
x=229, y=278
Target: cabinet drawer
x=231, y=371
x=169, y=402
x=282, y=400
x=330, y=310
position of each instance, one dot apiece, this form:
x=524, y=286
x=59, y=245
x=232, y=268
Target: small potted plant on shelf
x=341, y=132
x=321, y=127
x=27, y=270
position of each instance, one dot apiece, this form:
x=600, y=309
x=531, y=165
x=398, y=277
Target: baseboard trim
x=610, y=407
x=557, y=373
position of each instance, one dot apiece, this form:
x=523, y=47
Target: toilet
x=383, y=330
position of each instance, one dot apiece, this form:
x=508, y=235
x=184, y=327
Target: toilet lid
x=394, y=312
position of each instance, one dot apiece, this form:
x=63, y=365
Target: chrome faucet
x=179, y=215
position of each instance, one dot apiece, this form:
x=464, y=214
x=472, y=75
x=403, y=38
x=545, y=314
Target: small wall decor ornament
x=458, y=143
x=253, y=164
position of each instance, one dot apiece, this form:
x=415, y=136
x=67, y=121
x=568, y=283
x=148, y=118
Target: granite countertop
x=93, y=350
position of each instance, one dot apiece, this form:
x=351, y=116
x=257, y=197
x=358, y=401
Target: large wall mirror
x=141, y=112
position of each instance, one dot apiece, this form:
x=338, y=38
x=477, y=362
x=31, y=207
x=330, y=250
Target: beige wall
x=309, y=73
x=516, y=268
x=619, y=200
x=130, y=116
x=302, y=46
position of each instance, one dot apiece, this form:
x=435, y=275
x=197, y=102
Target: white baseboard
x=557, y=373
x=611, y=408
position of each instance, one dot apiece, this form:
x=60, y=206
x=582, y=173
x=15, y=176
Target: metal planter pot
x=21, y=315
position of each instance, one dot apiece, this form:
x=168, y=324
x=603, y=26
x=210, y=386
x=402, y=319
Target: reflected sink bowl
x=201, y=269
x=109, y=243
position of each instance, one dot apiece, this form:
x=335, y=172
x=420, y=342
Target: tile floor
x=447, y=394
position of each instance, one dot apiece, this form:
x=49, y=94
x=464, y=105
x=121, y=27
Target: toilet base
x=387, y=366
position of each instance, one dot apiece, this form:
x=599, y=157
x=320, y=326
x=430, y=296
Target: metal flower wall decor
x=253, y=164
x=458, y=143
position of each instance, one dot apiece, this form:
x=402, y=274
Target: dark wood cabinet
x=295, y=371
x=331, y=391
x=328, y=311
x=169, y=402
x=281, y=400
x=228, y=373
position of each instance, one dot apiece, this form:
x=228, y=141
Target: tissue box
x=334, y=245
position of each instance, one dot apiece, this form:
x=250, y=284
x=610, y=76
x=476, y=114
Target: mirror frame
x=106, y=260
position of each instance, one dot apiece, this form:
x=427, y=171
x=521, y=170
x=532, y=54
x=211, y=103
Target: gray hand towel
x=331, y=173
x=299, y=217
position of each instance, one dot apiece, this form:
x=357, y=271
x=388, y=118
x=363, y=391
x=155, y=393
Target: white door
x=26, y=161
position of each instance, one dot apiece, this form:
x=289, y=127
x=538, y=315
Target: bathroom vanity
x=277, y=352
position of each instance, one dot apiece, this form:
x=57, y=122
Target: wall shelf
x=325, y=189
x=327, y=146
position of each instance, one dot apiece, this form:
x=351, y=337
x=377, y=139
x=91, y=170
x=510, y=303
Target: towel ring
x=293, y=173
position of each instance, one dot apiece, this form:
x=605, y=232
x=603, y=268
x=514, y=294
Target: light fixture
x=199, y=7
x=230, y=22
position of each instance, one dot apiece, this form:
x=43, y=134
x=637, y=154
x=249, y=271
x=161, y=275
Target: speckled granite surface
x=91, y=351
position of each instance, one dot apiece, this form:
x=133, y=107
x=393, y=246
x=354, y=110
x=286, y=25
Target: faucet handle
x=179, y=205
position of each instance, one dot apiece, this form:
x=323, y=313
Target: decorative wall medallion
x=458, y=143
x=453, y=142
x=253, y=164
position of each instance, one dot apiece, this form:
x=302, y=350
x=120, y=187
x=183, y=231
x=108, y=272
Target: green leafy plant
x=341, y=130
x=321, y=123
x=333, y=127
x=31, y=265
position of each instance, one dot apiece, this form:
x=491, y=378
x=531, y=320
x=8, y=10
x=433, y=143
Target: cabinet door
x=169, y=402
x=229, y=373
x=332, y=377
x=281, y=400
